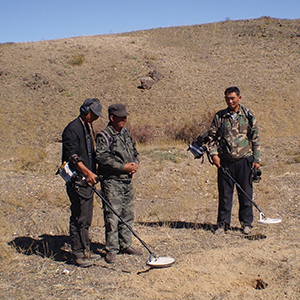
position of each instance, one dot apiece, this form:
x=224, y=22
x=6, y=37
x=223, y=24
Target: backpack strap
x=221, y=114
x=249, y=116
x=108, y=138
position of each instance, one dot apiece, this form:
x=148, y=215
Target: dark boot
x=84, y=262
x=132, y=251
x=111, y=257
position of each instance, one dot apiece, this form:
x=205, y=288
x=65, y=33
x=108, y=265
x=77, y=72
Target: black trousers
x=240, y=170
x=80, y=221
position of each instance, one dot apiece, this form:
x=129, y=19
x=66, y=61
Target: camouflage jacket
x=235, y=138
x=113, y=150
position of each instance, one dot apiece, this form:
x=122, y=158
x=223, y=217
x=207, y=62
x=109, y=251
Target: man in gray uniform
x=117, y=160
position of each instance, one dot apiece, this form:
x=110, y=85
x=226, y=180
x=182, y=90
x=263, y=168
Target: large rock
x=148, y=80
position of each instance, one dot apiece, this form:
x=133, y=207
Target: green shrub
x=77, y=60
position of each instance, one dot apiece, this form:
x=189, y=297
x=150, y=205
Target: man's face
x=118, y=122
x=233, y=100
x=91, y=117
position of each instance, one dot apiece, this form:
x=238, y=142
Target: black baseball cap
x=92, y=104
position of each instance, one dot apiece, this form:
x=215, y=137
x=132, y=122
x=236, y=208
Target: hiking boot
x=91, y=255
x=95, y=256
x=247, y=230
x=111, y=257
x=132, y=251
x=84, y=262
x=220, y=231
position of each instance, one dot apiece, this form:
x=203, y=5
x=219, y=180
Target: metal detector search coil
x=264, y=220
x=160, y=262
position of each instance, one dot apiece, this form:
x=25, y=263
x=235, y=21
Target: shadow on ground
x=205, y=226
x=56, y=247
x=186, y=225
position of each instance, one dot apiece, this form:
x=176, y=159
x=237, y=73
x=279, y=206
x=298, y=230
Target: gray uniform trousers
x=121, y=197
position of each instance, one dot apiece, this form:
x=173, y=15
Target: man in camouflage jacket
x=235, y=146
x=117, y=160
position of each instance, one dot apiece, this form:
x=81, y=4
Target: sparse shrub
x=127, y=56
x=297, y=159
x=77, y=60
x=189, y=129
x=161, y=155
x=141, y=133
x=31, y=159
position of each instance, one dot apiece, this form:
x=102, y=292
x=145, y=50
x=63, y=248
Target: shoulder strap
x=248, y=116
x=108, y=138
x=221, y=114
x=126, y=131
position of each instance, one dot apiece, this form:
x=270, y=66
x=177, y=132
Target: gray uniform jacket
x=113, y=150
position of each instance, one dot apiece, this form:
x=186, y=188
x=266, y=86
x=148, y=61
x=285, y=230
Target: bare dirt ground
x=263, y=265
x=42, y=87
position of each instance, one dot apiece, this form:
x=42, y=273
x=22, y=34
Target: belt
x=124, y=181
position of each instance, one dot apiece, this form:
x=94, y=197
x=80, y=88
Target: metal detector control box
x=66, y=172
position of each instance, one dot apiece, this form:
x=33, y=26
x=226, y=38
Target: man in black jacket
x=79, y=150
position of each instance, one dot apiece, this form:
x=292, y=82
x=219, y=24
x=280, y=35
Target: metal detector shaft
x=240, y=188
x=122, y=220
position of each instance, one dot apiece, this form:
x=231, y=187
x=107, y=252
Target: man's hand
x=216, y=160
x=90, y=177
x=131, y=167
x=255, y=165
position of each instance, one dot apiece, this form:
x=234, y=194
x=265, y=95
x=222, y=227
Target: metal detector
x=262, y=217
x=153, y=261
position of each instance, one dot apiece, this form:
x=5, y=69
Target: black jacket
x=74, y=142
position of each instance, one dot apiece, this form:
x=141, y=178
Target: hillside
x=42, y=86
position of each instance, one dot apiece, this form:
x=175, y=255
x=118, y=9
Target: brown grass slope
x=42, y=86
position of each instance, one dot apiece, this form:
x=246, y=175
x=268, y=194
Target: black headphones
x=85, y=107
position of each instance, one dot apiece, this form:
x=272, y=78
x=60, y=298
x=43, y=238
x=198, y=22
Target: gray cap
x=118, y=110
x=92, y=104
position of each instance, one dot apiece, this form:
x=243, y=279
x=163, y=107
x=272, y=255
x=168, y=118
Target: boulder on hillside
x=155, y=75
x=148, y=80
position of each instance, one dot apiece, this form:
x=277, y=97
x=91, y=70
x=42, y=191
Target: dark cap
x=91, y=104
x=118, y=110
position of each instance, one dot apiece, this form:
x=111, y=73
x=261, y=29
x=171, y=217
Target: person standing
x=235, y=146
x=117, y=160
x=79, y=151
